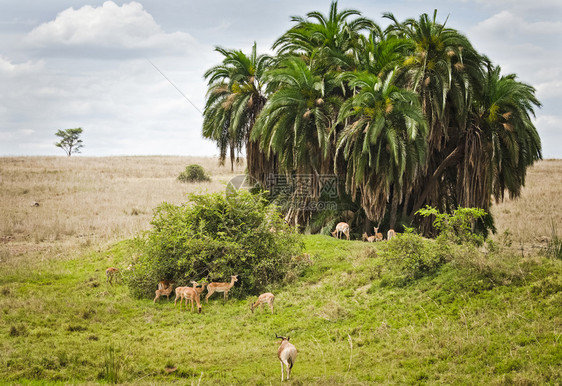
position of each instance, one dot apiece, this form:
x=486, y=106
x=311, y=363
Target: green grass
x=473, y=322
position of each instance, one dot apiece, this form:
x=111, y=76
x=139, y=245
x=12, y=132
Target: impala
x=390, y=234
x=164, y=289
x=163, y=284
x=378, y=235
x=369, y=239
x=266, y=298
x=287, y=354
x=188, y=293
x=341, y=228
x=199, y=290
x=220, y=287
x=111, y=273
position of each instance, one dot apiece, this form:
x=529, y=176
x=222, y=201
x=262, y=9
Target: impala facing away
x=220, y=287
x=378, y=235
x=188, y=293
x=342, y=227
x=287, y=354
x=266, y=298
x=390, y=234
x=111, y=273
x=164, y=289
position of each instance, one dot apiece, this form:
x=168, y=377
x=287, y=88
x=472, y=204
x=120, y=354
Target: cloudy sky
x=66, y=64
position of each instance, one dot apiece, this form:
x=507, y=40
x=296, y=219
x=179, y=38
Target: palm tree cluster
x=408, y=116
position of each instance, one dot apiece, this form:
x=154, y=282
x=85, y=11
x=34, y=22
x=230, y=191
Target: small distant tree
x=194, y=173
x=70, y=140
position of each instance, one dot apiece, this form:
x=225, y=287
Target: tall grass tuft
x=112, y=365
x=554, y=246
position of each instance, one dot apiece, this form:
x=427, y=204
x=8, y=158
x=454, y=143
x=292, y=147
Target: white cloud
x=526, y=46
x=108, y=27
x=91, y=71
x=548, y=127
x=8, y=68
x=548, y=8
x=26, y=132
x=551, y=89
x=511, y=25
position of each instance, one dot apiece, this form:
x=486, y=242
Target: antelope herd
x=287, y=353
x=343, y=228
x=192, y=294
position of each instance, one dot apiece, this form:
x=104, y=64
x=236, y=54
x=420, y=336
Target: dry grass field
x=530, y=218
x=86, y=201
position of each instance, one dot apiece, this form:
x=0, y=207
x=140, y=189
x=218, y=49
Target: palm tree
x=411, y=115
x=295, y=125
x=444, y=69
x=441, y=64
x=380, y=54
x=216, y=123
x=235, y=98
x=327, y=42
x=501, y=140
x=383, y=140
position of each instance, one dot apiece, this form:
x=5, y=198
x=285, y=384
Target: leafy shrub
x=211, y=238
x=193, y=173
x=459, y=226
x=408, y=256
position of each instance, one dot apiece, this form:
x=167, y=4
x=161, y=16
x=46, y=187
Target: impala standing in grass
x=378, y=235
x=111, y=274
x=188, y=293
x=287, y=354
x=369, y=239
x=341, y=228
x=164, y=289
x=266, y=298
x=199, y=290
x=220, y=287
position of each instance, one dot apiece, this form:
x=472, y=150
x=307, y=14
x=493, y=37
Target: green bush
x=460, y=226
x=213, y=237
x=193, y=173
x=409, y=256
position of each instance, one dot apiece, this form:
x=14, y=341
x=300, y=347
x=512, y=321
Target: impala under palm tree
x=411, y=115
x=383, y=140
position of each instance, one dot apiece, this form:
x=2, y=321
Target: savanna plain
x=493, y=317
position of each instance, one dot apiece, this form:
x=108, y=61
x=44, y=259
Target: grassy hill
x=499, y=323
x=481, y=319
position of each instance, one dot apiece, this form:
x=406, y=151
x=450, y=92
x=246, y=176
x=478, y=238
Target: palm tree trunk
x=394, y=207
x=448, y=161
x=406, y=203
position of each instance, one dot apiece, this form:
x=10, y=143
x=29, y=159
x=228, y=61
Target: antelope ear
x=288, y=337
